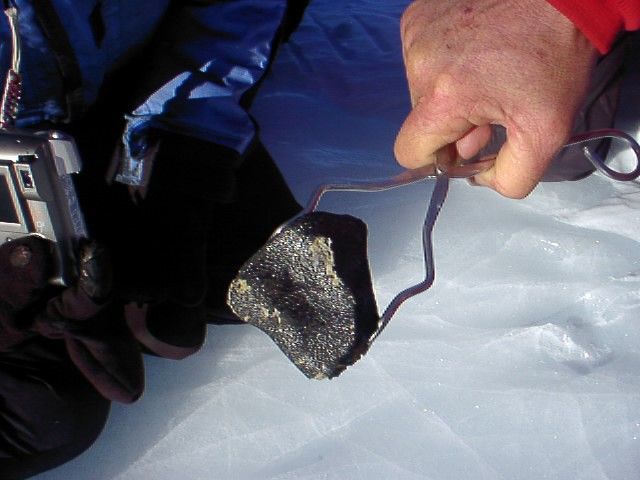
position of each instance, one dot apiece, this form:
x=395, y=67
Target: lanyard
x=12, y=91
x=55, y=33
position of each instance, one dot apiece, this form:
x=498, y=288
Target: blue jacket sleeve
x=207, y=55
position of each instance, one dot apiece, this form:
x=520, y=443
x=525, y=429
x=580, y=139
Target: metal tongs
x=449, y=165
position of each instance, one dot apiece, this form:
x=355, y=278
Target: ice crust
x=521, y=362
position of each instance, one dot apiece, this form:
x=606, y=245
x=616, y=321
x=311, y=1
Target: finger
x=519, y=167
x=424, y=132
x=473, y=141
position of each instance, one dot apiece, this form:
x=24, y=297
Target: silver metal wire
x=598, y=162
x=449, y=165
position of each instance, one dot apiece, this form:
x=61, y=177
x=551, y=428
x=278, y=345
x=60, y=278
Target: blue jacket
x=208, y=54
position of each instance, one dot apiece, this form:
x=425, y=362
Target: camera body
x=37, y=195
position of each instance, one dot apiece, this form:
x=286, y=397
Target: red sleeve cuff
x=601, y=20
x=630, y=10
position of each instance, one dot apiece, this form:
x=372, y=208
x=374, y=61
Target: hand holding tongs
x=450, y=165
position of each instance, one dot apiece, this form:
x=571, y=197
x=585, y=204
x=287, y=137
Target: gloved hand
x=177, y=245
x=160, y=243
x=82, y=316
x=24, y=269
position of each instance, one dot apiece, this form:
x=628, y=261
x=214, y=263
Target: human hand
x=82, y=315
x=25, y=264
x=225, y=215
x=470, y=64
x=161, y=241
x=91, y=323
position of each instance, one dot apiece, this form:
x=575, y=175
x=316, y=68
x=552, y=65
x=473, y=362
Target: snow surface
x=521, y=362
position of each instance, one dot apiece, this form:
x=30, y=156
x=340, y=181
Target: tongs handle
x=598, y=162
x=450, y=163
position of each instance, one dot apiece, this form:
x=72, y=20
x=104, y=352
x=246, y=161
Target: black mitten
x=82, y=316
x=94, y=331
x=161, y=251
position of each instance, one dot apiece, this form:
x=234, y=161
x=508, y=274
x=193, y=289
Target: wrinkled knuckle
x=553, y=126
x=445, y=86
x=445, y=94
x=533, y=138
x=544, y=141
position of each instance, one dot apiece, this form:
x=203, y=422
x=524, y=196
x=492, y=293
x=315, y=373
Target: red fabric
x=601, y=20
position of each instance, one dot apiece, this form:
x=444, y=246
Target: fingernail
x=478, y=181
x=481, y=179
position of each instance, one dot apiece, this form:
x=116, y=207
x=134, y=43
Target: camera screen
x=8, y=212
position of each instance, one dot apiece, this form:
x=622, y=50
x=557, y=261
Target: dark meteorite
x=309, y=289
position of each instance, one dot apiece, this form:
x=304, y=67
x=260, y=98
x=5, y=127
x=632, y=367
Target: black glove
x=92, y=328
x=178, y=246
x=92, y=324
x=160, y=243
x=25, y=266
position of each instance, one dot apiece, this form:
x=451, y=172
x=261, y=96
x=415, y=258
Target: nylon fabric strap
x=53, y=29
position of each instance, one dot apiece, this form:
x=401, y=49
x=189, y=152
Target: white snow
x=521, y=362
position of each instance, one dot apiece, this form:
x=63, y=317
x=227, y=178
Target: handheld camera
x=37, y=195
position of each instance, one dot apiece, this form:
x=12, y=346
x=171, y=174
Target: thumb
x=520, y=164
x=424, y=132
